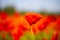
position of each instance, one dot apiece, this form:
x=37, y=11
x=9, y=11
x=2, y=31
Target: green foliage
x=0, y=35
x=41, y=35
x=0, y=9
x=51, y=31
x=43, y=12
x=23, y=12
x=28, y=36
x=10, y=10
x=7, y=36
x=59, y=36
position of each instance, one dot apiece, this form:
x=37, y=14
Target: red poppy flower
x=58, y=24
x=16, y=14
x=51, y=18
x=43, y=26
x=55, y=36
x=1, y=26
x=22, y=27
x=3, y=15
x=7, y=26
x=32, y=18
x=17, y=35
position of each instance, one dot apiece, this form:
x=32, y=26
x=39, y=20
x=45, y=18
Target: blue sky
x=33, y=5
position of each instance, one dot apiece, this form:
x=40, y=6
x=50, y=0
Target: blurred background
x=49, y=6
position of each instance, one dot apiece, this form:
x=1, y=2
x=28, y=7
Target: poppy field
x=30, y=26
